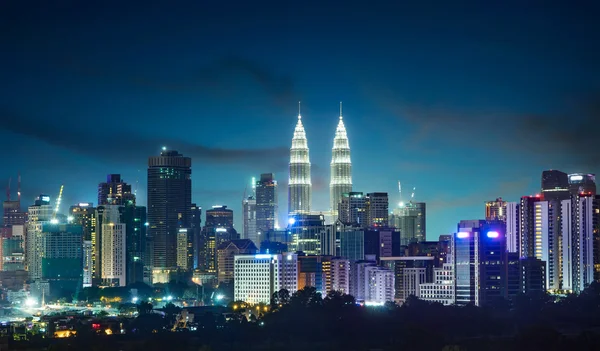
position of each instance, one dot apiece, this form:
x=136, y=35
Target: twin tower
x=300, y=186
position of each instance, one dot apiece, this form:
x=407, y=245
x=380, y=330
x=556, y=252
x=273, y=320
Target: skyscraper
x=113, y=251
x=249, y=220
x=581, y=183
x=352, y=209
x=341, y=167
x=266, y=203
x=12, y=209
x=377, y=209
x=218, y=229
x=299, y=188
x=169, y=207
x=114, y=191
x=555, y=185
x=410, y=219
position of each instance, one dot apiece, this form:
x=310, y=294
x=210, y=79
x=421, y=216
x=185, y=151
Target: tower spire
x=340, y=110
x=299, y=115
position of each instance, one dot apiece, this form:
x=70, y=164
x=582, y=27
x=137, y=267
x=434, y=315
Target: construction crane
x=58, y=199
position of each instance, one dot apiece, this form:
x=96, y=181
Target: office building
x=442, y=288
x=266, y=203
x=581, y=183
x=410, y=219
x=114, y=191
x=356, y=243
x=84, y=214
x=352, y=209
x=39, y=214
x=377, y=209
x=299, y=185
x=479, y=258
x=337, y=275
x=87, y=277
x=341, y=168
x=409, y=273
x=533, y=276
x=249, y=230
x=513, y=226
x=138, y=262
x=306, y=232
x=257, y=277
x=113, y=247
x=312, y=271
x=13, y=249
x=218, y=229
x=62, y=258
x=495, y=210
x=169, y=207
x=555, y=185
x=226, y=253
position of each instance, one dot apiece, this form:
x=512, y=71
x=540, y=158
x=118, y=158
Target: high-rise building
x=306, y=232
x=479, y=259
x=226, y=253
x=137, y=258
x=84, y=214
x=299, y=187
x=62, y=258
x=377, y=209
x=410, y=219
x=409, y=272
x=513, y=238
x=341, y=168
x=370, y=283
x=580, y=237
x=13, y=249
x=39, y=214
x=352, y=209
x=13, y=215
x=169, y=207
x=527, y=233
x=356, y=243
x=113, y=250
x=337, y=277
x=218, y=228
x=555, y=185
x=495, y=210
x=257, y=277
x=196, y=226
x=581, y=183
x=87, y=263
x=114, y=191
x=266, y=203
x=249, y=230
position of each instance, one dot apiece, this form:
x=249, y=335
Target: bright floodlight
x=292, y=220
x=169, y=298
x=220, y=297
x=493, y=234
x=70, y=218
x=54, y=221
x=135, y=299
x=164, y=148
x=401, y=204
x=462, y=235
x=30, y=302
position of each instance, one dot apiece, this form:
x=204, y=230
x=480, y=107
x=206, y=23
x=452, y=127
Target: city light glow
x=493, y=234
x=462, y=235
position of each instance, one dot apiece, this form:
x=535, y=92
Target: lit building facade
x=410, y=219
x=299, y=185
x=266, y=203
x=341, y=168
x=442, y=288
x=218, y=229
x=62, y=258
x=39, y=214
x=169, y=207
x=352, y=209
x=226, y=253
x=582, y=183
x=257, y=277
x=377, y=205
x=306, y=232
x=495, y=210
x=249, y=230
x=555, y=185
x=114, y=191
x=113, y=250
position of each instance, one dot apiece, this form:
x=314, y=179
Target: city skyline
x=410, y=108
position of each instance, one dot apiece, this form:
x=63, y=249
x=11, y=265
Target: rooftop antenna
x=340, y=110
x=8, y=190
x=412, y=196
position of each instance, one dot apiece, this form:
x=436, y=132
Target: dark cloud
x=135, y=148
x=565, y=136
x=222, y=77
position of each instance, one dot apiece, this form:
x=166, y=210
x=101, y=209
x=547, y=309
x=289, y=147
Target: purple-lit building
x=479, y=256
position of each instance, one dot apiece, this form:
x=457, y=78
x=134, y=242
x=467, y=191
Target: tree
x=144, y=307
x=337, y=299
x=306, y=297
x=102, y=314
x=281, y=297
x=171, y=311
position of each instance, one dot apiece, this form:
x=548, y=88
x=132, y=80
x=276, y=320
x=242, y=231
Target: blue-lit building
x=306, y=232
x=62, y=260
x=480, y=262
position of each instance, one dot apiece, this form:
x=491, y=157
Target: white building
x=411, y=280
x=249, y=230
x=512, y=227
x=379, y=285
x=339, y=276
x=442, y=288
x=341, y=168
x=87, y=263
x=184, y=246
x=257, y=277
x=113, y=246
x=579, y=217
x=38, y=214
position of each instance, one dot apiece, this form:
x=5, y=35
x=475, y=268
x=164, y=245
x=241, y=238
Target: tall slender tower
x=341, y=167
x=299, y=188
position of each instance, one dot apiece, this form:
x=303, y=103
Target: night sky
x=463, y=102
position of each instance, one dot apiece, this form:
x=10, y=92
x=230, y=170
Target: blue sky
x=464, y=102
